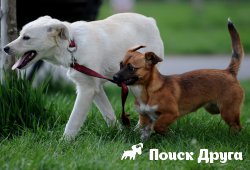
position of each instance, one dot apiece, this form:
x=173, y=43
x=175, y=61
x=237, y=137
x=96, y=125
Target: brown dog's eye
x=130, y=67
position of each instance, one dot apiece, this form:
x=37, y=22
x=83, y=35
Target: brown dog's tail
x=237, y=48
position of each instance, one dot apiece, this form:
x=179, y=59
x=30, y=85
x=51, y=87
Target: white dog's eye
x=26, y=37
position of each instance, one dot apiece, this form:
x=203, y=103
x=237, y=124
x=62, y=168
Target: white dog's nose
x=6, y=49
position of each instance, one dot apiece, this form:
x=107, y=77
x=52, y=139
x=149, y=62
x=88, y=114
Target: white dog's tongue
x=24, y=60
x=18, y=63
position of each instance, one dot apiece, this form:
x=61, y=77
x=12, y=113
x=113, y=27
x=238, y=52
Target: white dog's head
x=38, y=40
x=138, y=148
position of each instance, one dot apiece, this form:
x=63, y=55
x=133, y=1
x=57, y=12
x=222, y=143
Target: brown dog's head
x=136, y=67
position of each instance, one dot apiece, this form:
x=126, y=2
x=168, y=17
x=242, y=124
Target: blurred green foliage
x=22, y=106
x=189, y=28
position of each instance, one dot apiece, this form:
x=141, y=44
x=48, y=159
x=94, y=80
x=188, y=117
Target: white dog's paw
x=67, y=138
x=116, y=125
x=69, y=135
x=111, y=122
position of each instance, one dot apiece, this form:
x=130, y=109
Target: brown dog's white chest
x=144, y=108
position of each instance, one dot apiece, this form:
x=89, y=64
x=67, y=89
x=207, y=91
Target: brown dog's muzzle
x=116, y=78
x=125, y=76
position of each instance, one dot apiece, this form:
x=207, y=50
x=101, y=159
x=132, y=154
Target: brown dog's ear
x=136, y=48
x=152, y=58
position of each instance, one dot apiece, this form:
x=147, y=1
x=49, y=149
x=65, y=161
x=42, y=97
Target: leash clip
x=72, y=46
x=73, y=60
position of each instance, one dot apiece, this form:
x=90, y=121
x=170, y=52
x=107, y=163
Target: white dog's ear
x=59, y=30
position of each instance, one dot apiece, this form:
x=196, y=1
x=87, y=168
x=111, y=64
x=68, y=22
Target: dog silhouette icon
x=136, y=149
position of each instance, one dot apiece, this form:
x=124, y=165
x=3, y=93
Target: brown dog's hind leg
x=232, y=118
x=163, y=121
x=230, y=110
x=212, y=108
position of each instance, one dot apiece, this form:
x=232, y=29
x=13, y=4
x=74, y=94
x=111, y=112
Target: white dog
x=101, y=45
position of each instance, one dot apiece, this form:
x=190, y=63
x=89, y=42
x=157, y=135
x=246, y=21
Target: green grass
x=21, y=106
x=100, y=147
x=188, y=30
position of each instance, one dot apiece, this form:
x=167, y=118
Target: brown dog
x=160, y=99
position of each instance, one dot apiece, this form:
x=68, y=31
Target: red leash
x=124, y=94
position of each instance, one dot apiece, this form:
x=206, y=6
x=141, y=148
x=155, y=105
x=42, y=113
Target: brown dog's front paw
x=144, y=137
x=160, y=129
x=146, y=132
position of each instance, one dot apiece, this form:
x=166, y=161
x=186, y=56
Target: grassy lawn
x=189, y=30
x=99, y=147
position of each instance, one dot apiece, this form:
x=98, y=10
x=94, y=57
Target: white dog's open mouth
x=25, y=59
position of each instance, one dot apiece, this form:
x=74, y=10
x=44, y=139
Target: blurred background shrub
x=196, y=26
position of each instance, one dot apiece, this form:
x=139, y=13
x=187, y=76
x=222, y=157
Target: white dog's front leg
x=78, y=115
x=103, y=104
